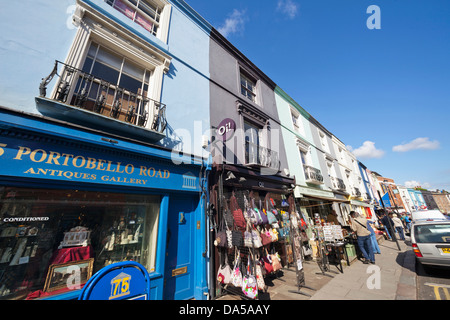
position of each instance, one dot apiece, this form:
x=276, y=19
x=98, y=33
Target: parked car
x=427, y=215
x=430, y=241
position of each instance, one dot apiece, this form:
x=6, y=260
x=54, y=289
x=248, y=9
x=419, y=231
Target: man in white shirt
x=359, y=225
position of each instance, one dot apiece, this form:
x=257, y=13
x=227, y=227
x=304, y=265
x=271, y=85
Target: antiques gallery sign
x=35, y=161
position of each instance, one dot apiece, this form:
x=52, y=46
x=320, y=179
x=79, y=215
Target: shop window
x=52, y=241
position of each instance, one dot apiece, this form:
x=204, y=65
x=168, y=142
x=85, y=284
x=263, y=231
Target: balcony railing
x=356, y=192
x=313, y=175
x=87, y=92
x=338, y=184
x=259, y=156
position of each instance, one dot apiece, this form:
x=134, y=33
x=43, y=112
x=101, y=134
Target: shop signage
x=126, y=280
x=25, y=219
x=299, y=191
x=33, y=160
x=226, y=129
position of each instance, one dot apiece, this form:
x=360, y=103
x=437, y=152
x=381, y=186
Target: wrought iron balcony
x=313, y=175
x=255, y=155
x=356, y=192
x=338, y=184
x=84, y=98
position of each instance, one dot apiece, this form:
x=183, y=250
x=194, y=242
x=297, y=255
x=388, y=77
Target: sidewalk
x=393, y=277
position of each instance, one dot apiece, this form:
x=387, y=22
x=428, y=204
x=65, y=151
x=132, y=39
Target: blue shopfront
x=74, y=201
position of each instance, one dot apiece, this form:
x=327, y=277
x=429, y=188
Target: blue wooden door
x=179, y=274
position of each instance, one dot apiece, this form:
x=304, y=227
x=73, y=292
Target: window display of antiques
x=53, y=246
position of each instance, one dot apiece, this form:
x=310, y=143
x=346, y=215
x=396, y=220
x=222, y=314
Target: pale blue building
x=95, y=96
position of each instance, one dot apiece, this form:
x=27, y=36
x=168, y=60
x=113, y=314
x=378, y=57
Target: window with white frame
x=117, y=75
x=323, y=141
x=253, y=141
x=146, y=13
x=305, y=154
x=248, y=86
x=297, y=122
x=341, y=154
x=116, y=69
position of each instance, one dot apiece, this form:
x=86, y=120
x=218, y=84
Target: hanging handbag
x=274, y=235
x=229, y=234
x=307, y=251
x=249, y=284
x=248, y=241
x=238, y=216
x=221, y=237
x=237, y=238
x=276, y=262
x=267, y=264
x=270, y=215
x=265, y=238
x=252, y=238
x=228, y=216
x=224, y=272
x=263, y=213
x=260, y=277
x=257, y=243
x=236, y=275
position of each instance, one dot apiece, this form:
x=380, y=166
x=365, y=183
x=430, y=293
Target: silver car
x=430, y=241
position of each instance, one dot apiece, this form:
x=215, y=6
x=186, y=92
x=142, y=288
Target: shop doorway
x=179, y=274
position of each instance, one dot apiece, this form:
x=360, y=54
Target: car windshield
x=432, y=233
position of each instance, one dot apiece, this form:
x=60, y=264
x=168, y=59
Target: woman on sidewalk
x=373, y=237
x=359, y=225
x=398, y=225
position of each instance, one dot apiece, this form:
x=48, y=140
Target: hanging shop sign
x=126, y=280
x=31, y=159
x=225, y=130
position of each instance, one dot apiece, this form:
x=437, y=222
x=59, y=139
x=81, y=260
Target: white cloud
x=419, y=143
x=288, y=7
x=234, y=23
x=367, y=151
x=413, y=184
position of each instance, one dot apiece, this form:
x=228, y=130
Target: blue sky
x=384, y=92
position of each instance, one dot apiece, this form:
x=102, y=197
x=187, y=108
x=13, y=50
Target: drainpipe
x=208, y=239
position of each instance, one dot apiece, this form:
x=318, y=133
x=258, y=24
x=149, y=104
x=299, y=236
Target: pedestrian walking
x=373, y=237
x=398, y=226
x=408, y=222
x=359, y=226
